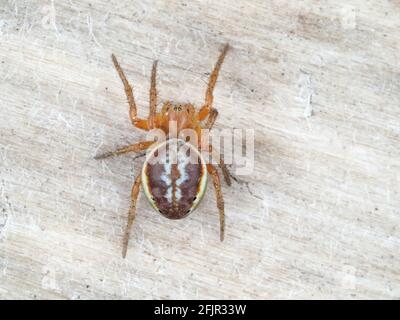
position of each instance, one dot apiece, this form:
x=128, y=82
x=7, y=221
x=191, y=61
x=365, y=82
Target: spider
x=173, y=189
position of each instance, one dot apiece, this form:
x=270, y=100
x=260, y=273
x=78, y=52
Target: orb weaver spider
x=173, y=189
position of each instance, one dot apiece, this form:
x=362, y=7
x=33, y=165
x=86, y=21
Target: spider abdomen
x=174, y=178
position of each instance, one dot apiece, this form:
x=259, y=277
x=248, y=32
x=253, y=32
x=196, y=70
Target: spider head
x=182, y=114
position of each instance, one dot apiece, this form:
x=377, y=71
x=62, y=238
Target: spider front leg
x=137, y=147
x=206, y=108
x=131, y=215
x=153, y=98
x=220, y=201
x=139, y=123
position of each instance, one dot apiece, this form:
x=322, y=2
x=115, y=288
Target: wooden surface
x=319, y=81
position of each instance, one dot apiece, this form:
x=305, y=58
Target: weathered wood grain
x=318, y=81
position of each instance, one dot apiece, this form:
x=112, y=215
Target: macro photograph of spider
x=174, y=189
x=199, y=150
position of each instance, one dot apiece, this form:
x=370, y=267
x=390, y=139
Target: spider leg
x=139, y=123
x=209, y=124
x=153, y=97
x=205, y=109
x=132, y=214
x=220, y=201
x=211, y=119
x=137, y=147
x=221, y=164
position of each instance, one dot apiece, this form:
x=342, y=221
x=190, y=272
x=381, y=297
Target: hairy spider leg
x=137, y=147
x=221, y=163
x=139, y=123
x=205, y=109
x=153, y=98
x=132, y=214
x=211, y=119
x=220, y=201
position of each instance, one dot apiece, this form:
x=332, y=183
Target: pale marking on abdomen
x=166, y=178
x=174, y=186
x=183, y=161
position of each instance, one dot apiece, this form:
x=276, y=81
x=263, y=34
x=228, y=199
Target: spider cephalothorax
x=183, y=114
x=174, y=175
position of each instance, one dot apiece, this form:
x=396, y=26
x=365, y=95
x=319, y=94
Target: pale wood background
x=319, y=81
